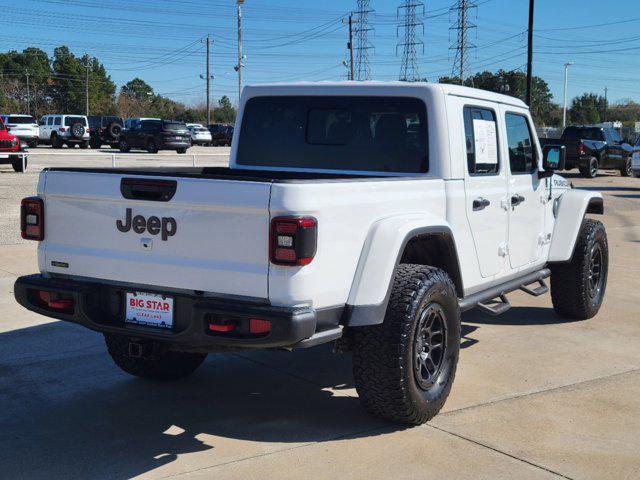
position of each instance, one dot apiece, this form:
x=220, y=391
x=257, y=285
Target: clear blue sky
x=286, y=40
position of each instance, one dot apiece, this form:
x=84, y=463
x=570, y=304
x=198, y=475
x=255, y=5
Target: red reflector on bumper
x=222, y=327
x=60, y=304
x=257, y=325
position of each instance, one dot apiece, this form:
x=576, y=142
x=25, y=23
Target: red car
x=10, y=145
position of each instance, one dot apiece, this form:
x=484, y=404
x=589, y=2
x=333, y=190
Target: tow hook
x=136, y=350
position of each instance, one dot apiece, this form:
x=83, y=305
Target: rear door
x=485, y=187
x=526, y=191
x=614, y=150
x=212, y=235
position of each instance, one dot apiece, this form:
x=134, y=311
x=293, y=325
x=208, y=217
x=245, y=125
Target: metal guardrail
x=24, y=156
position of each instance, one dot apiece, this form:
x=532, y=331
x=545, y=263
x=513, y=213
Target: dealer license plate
x=149, y=309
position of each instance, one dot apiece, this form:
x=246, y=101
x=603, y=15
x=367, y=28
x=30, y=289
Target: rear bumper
x=101, y=307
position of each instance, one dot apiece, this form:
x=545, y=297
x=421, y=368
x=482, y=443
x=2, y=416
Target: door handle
x=480, y=204
x=516, y=200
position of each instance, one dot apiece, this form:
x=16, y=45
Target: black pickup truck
x=591, y=147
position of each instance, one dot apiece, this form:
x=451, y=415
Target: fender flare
x=379, y=258
x=569, y=210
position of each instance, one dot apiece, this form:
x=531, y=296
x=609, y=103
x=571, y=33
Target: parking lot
x=535, y=396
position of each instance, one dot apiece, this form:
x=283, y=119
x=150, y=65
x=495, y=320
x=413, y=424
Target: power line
x=363, y=69
x=462, y=26
x=409, y=22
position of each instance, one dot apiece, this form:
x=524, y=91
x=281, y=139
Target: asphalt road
x=535, y=396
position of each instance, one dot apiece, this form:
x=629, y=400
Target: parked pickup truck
x=592, y=147
x=368, y=214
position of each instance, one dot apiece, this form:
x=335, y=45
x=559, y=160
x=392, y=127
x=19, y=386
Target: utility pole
x=86, y=88
x=530, y=54
x=462, y=25
x=564, y=108
x=208, y=79
x=409, y=22
x=26, y=72
x=350, y=45
x=239, y=66
x=606, y=104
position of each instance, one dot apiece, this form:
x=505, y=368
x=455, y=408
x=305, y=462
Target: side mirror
x=553, y=158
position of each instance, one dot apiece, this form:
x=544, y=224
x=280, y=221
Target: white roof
x=447, y=89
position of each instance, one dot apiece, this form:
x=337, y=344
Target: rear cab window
x=69, y=121
x=21, y=120
x=347, y=133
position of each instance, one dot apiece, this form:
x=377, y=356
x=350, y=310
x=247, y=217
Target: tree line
x=57, y=85
x=32, y=81
x=588, y=108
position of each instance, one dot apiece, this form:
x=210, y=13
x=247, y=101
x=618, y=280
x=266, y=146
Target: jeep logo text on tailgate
x=166, y=226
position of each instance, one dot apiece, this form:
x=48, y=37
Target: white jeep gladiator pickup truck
x=367, y=213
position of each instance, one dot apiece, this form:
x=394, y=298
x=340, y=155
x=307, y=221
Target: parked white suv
x=59, y=130
x=367, y=213
x=199, y=134
x=25, y=127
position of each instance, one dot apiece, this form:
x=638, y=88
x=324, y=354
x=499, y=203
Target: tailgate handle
x=149, y=189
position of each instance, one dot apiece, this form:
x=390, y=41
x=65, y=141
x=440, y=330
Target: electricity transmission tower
x=462, y=25
x=408, y=22
x=363, y=70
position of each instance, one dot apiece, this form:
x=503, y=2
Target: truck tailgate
x=220, y=243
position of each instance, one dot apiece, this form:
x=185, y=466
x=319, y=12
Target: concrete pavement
x=535, y=396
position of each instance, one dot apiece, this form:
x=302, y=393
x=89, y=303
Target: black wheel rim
x=596, y=274
x=628, y=168
x=429, y=345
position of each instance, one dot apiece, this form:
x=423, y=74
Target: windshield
x=383, y=134
x=174, y=126
x=68, y=121
x=21, y=120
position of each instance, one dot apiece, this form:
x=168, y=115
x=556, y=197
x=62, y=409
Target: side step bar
x=484, y=298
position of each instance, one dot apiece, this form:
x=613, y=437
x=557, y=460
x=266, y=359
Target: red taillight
x=580, y=149
x=32, y=218
x=293, y=240
x=62, y=129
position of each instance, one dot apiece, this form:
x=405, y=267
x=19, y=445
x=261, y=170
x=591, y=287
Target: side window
x=522, y=154
x=615, y=136
x=58, y=121
x=480, y=134
x=50, y=121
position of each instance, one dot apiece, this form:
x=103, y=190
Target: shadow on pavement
x=67, y=412
x=517, y=316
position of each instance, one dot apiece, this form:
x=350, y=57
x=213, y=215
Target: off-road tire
x=384, y=355
x=16, y=163
x=84, y=145
x=95, y=143
x=56, y=141
x=114, y=130
x=152, y=146
x=123, y=146
x=181, y=150
x=32, y=144
x=590, y=170
x=625, y=170
x=158, y=363
x=571, y=292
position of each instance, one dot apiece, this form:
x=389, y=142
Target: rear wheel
x=577, y=287
x=181, y=150
x=16, y=163
x=84, y=145
x=95, y=143
x=124, y=146
x=590, y=170
x=56, y=141
x=404, y=367
x=152, y=147
x=153, y=360
x=625, y=170
x=32, y=144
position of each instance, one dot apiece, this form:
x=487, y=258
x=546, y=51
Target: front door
x=485, y=188
x=526, y=192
